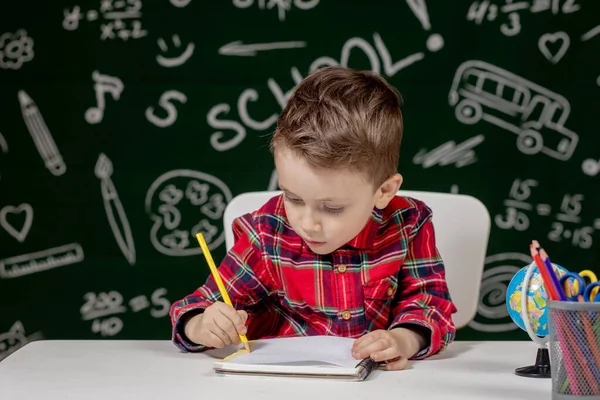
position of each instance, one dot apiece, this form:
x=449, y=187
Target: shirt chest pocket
x=378, y=299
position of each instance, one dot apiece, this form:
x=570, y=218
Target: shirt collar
x=366, y=237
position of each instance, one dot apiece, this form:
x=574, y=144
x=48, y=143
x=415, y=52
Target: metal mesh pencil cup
x=574, y=329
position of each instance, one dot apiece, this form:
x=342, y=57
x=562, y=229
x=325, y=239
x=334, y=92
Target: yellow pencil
x=217, y=278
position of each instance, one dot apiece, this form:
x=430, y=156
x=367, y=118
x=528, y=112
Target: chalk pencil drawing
x=117, y=219
x=170, y=62
x=238, y=48
x=449, y=153
x=166, y=103
x=15, y=49
x=18, y=233
x=590, y=167
x=492, y=313
x=41, y=135
x=482, y=91
x=103, y=84
x=182, y=203
x=553, y=38
x=15, y=338
x=26, y=264
x=435, y=41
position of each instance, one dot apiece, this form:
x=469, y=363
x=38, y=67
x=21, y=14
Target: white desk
x=117, y=370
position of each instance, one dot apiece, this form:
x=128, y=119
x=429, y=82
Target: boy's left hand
x=393, y=346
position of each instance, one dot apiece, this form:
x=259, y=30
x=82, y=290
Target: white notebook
x=313, y=356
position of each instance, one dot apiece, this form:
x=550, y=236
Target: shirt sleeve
x=425, y=300
x=244, y=276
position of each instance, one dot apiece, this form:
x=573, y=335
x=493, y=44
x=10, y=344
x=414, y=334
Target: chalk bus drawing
x=169, y=62
x=182, y=203
x=41, y=135
x=103, y=84
x=16, y=338
x=119, y=222
x=19, y=234
x=165, y=102
x=483, y=91
x=26, y=264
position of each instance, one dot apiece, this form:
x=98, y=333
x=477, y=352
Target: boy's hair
x=342, y=118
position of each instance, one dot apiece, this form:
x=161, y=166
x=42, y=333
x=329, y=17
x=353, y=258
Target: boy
x=338, y=253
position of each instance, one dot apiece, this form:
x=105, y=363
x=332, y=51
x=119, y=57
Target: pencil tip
x=247, y=347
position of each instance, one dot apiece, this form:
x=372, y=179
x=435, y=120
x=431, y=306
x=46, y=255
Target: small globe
x=536, y=299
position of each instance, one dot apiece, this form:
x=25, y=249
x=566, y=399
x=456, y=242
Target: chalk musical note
x=103, y=171
x=41, y=135
x=103, y=84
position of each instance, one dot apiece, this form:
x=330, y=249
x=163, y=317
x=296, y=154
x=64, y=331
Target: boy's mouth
x=314, y=244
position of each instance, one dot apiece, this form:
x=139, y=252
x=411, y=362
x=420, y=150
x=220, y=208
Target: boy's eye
x=291, y=199
x=334, y=210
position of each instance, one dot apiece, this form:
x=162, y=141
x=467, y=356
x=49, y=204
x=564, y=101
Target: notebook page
x=303, y=350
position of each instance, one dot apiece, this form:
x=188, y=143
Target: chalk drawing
x=435, y=41
x=449, y=153
x=553, y=38
x=170, y=62
x=178, y=218
x=590, y=34
x=482, y=91
x=3, y=144
x=41, y=135
x=165, y=103
x=180, y=3
x=118, y=221
x=282, y=6
x=15, y=338
x=237, y=48
x=492, y=313
x=31, y=263
x=590, y=167
x=103, y=84
x=15, y=49
x=119, y=19
x=21, y=233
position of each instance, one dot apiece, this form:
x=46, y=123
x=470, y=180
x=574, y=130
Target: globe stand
x=541, y=368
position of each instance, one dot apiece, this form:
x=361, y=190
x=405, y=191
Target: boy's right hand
x=219, y=325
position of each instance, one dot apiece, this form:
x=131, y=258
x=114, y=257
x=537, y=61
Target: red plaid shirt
x=389, y=275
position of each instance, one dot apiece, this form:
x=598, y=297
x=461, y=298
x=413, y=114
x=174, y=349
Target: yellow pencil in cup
x=217, y=277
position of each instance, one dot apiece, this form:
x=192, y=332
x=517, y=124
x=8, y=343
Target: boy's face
x=328, y=208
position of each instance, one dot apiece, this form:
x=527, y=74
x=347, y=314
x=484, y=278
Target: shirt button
x=341, y=268
x=346, y=315
x=390, y=291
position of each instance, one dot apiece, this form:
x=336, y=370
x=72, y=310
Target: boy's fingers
x=366, y=340
x=397, y=365
x=241, y=328
x=213, y=340
x=233, y=315
x=222, y=333
x=387, y=353
x=366, y=350
x=228, y=329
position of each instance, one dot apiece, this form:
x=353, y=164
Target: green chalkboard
x=126, y=125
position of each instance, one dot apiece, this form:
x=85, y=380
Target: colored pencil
x=219, y=281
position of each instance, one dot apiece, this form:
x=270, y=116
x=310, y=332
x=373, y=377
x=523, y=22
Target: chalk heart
x=19, y=234
x=559, y=42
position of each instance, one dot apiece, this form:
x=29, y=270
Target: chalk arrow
x=237, y=48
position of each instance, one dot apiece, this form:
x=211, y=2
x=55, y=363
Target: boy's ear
x=388, y=190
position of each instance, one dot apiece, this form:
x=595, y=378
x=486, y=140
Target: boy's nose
x=310, y=225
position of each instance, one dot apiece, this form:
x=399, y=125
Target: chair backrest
x=462, y=228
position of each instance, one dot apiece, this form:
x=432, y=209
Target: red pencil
x=544, y=272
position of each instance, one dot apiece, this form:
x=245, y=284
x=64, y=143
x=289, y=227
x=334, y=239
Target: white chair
x=462, y=229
